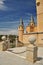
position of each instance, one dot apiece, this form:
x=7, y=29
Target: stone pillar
x=31, y=54
x=8, y=41
x=16, y=41
x=3, y=44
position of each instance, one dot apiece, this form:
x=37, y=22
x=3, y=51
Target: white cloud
x=2, y=5
x=29, y=14
x=15, y=32
x=7, y=32
x=7, y=22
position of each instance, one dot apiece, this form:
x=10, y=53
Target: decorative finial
x=32, y=39
x=21, y=21
x=32, y=19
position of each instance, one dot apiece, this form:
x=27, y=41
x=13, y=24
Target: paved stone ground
x=21, y=51
x=8, y=58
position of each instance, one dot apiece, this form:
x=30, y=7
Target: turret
x=32, y=24
x=21, y=30
x=30, y=27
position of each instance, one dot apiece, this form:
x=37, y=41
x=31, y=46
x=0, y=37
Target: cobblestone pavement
x=8, y=58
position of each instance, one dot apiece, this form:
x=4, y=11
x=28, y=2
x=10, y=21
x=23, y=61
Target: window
x=38, y=3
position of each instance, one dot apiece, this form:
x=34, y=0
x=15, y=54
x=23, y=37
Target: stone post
x=3, y=44
x=31, y=54
x=8, y=41
x=16, y=41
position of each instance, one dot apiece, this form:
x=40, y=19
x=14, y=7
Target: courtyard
x=18, y=57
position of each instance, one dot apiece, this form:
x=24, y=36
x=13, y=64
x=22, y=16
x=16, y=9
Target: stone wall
x=39, y=38
x=26, y=37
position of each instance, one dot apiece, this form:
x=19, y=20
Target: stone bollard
x=3, y=44
x=8, y=41
x=31, y=54
x=16, y=42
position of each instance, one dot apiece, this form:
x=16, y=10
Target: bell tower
x=39, y=7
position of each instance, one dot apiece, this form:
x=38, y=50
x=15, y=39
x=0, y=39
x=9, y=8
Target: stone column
x=3, y=45
x=16, y=41
x=8, y=41
x=31, y=54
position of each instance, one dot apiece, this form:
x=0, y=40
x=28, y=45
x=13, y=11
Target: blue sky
x=12, y=10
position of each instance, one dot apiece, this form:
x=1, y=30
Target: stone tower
x=21, y=30
x=39, y=7
x=32, y=24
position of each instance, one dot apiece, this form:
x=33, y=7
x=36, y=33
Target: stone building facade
x=32, y=29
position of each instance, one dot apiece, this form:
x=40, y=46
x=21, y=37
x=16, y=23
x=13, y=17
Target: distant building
x=32, y=29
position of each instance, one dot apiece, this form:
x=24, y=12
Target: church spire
x=32, y=19
x=21, y=21
x=32, y=23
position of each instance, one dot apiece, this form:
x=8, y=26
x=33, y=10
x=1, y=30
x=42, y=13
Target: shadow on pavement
x=39, y=58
